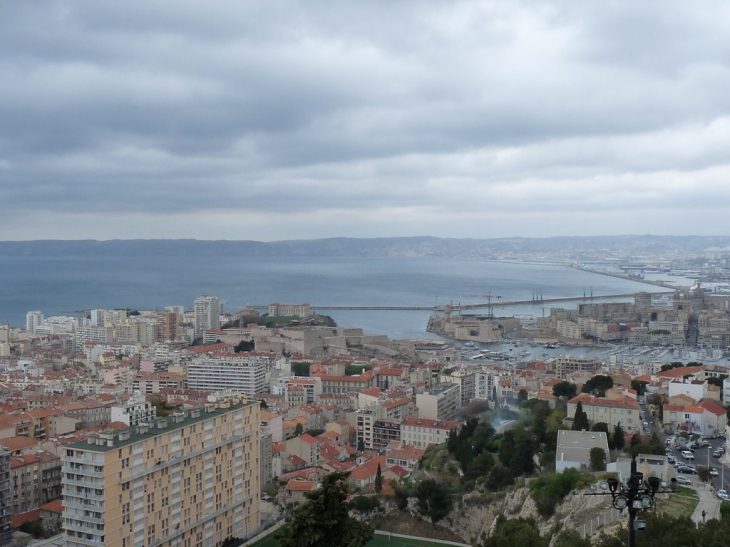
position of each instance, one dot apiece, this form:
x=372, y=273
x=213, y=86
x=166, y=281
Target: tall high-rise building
x=207, y=314
x=33, y=319
x=6, y=502
x=168, y=322
x=187, y=480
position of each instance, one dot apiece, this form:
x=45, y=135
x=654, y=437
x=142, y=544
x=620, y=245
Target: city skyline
x=261, y=122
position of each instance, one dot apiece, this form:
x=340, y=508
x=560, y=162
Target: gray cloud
x=478, y=119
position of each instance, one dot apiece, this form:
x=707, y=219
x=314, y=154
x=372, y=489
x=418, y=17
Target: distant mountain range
x=564, y=247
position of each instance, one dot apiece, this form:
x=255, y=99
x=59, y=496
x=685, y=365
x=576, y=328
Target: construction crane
x=489, y=297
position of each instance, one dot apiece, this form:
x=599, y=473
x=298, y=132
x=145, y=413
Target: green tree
x=323, y=520
x=554, y=422
x=300, y=368
x=655, y=400
x=565, y=389
x=433, y=500
x=517, y=451
x=549, y=490
x=598, y=459
x=639, y=386
x=401, y=497
x=364, y=504
x=298, y=429
x=500, y=477
x=618, y=439
x=514, y=533
x=598, y=385
x=600, y=426
x=244, y=346
x=703, y=473
x=580, y=419
x=717, y=381
x=378, y=481
x=479, y=467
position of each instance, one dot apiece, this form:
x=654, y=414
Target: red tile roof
x=301, y=486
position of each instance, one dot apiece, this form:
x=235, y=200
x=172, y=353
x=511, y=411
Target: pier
x=476, y=306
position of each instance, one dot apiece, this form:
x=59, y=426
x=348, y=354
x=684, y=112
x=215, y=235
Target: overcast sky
x=295, y=120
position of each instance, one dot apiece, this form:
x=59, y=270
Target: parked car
x=671, y=460
x=713, y=472
x=687, y=455
x=722, y=494
x=683, y=480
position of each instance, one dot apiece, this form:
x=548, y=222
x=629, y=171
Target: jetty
x=475, y=306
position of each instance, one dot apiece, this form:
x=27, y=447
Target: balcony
x=86, y=471
x=71, y=493
x=81, y=515
x=72, y=540
x=83, y=504
x=86, y=483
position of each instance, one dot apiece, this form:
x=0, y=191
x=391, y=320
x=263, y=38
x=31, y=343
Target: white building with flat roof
x=239, y=374
x=574, y=449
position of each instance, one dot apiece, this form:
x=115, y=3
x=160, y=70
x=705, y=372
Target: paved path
x=708, y=503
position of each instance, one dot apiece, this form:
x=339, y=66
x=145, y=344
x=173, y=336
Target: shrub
x=548, y=491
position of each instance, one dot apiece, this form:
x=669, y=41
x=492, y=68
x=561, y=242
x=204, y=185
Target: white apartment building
x=99, y=335
x=240, y=374
x=59, y=324
x=33, y=319
x=207, y=314
x=484, y=385
x=136, y=411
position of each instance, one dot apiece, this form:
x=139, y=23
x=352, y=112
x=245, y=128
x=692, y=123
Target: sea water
x=59, y=286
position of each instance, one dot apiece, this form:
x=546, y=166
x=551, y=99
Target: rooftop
x=139, y=434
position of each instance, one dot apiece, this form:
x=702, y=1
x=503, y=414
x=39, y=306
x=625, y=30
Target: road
x=702, y=456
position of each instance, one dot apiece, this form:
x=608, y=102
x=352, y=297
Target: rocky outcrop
x=477, y=513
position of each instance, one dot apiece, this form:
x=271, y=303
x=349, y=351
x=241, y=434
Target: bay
x=59, y=286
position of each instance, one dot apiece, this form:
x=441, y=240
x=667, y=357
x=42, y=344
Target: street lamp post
x=635, y=495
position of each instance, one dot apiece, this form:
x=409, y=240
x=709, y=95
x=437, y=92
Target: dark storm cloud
x=369, y=118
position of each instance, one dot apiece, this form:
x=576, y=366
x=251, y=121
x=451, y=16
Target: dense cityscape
x=364, y=274
x=163, y=427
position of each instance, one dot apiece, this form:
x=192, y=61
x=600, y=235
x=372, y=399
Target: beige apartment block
x=623, y=410
x=188, y=480
x=568, y=364
x=440, y=403
x=289, y=310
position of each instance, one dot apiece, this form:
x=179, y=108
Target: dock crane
x=489, y=297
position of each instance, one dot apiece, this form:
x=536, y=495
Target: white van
x=687, y=455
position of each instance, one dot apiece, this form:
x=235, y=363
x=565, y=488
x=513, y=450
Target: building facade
x=440, y=403
x=207, y=314
x=238, y=374
x=190, y=480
